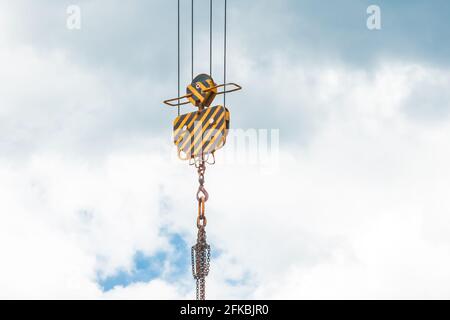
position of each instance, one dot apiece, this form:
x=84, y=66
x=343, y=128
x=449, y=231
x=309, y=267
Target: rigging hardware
x=199, y=134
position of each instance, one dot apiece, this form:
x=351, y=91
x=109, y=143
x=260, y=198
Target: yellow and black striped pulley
x=201, y=132
x=202, y=91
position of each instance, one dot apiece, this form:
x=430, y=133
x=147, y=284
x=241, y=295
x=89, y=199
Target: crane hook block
x=201, y=132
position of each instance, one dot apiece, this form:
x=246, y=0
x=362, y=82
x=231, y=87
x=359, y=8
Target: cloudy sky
x=352, y=203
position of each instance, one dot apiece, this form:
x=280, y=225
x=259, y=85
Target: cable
x=210, y=36
x=192, y=39
x=178, y=87
x=225, y=55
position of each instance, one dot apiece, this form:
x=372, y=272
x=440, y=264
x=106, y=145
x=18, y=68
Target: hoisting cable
x=192, y=39
x=178, y=34
x=225, y=54
x=210, y=36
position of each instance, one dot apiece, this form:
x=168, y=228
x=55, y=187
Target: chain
x=201, y=251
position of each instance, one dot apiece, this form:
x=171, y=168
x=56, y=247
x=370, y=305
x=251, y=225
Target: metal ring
x=199, y=224
x=201, y=208
x=180, y=157
x=201, y=213
x=214, y=159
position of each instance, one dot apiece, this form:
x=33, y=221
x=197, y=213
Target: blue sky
x=146, y=268
x=358, y=207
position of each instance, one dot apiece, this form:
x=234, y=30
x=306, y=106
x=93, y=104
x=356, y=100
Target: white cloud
x=358, y=211
x=362, y=210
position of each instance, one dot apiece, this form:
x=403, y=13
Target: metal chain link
x=201, y=255
x=201, y=251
